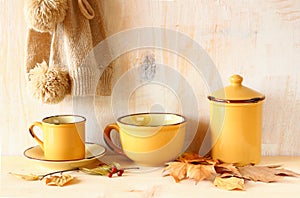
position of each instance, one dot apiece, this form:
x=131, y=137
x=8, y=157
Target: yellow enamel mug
x=63, y=137
x=149, y=139
x=236, y=123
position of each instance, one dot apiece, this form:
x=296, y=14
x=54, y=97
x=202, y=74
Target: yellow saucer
x=93, y=151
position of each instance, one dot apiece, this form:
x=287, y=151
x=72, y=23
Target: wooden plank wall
x=259, y=40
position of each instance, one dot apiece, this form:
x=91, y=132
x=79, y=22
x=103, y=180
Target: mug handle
x=35, y=137
x=107, y=138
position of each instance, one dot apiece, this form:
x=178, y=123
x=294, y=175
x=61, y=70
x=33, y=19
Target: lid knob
x=236, y=79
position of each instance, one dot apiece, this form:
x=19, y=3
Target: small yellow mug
x=149, y=139
x=63, y=137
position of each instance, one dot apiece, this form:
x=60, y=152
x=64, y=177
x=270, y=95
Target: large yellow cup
x=149, y=139
x=63, y=137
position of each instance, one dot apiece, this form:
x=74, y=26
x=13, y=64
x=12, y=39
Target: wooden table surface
x=144, y=182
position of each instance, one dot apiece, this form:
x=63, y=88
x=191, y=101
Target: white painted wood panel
x=258, y=39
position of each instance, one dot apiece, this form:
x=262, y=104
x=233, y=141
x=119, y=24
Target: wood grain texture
x=256, y=39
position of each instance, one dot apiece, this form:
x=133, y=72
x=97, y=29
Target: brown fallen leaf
x=285, y=172
x=195, y=159
x=58, y=180
x=227, y=168
x=200, y=172
x=264, y=173
x=258, y=173
x=189, y=156
x=177, y=170
x=183, y=170
x=227, y=176
x=229, y=183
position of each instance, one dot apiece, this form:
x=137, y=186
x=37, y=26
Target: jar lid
x=236, y=93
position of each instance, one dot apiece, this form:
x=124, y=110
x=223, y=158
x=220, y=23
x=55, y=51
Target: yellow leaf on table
x=229, y=183
x=58, y=180
x=29, y=177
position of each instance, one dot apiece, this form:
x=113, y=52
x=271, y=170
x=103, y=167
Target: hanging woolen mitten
x=43, y=15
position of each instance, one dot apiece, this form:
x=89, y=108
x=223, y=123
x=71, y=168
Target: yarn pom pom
x=43, y=15
x=50, y=85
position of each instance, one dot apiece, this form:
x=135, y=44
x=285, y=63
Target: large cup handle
x=35, y=137
x=107, y=138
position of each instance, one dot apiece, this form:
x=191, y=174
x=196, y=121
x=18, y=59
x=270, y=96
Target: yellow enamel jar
x=236, y=123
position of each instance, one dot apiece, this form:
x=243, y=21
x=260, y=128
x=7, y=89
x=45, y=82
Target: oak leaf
x=229, y=183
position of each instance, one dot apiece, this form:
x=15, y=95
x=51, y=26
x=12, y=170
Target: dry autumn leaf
x=200, y=172
x=185, y=157
x=58, y=180
x=190, y=158
x=227, y=176
x=29, y=177
x=195, y=158
x=285, y=172
x=177, y=170
x=183, y=170
x=264, y=173
x=229, y=183
x=227, y=168
x=101, y=170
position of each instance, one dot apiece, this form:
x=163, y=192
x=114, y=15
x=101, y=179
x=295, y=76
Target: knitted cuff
x=84, y=81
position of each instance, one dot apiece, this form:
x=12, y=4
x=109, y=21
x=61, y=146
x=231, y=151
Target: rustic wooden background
x=259, y=40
